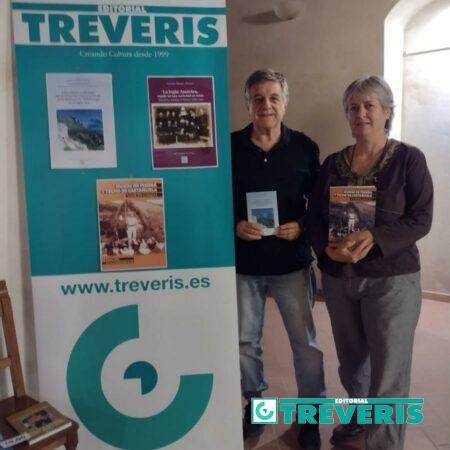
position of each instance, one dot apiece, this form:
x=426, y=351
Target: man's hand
x=248, y=231
x=289, y=231
x=352, y=248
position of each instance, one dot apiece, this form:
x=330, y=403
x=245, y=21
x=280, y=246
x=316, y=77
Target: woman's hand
x=362, y=240
x=341, y=252
x=352, y=248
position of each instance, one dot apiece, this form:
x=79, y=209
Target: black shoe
x=309, y=437
x=346, y=433
x=251, y=429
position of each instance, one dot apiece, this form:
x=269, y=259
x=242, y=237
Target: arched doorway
x=417, y=64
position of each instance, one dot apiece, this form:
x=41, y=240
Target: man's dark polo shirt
x=290, y=168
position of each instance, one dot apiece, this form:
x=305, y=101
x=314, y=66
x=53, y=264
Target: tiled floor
x=430, y=378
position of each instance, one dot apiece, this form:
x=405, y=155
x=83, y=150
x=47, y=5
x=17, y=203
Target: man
x=271, y=158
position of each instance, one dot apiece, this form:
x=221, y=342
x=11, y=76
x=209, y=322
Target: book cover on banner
x=132, y=231
x=262, y=208
x=39, y=422
x=81, y=120
x=182, y=122
x=352, y=208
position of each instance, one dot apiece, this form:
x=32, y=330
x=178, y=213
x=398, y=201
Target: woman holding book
x=371, y=277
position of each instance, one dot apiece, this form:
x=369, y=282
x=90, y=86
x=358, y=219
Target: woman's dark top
x=404, y=209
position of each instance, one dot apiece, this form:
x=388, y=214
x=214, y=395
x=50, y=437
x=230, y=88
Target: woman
x=371, y=277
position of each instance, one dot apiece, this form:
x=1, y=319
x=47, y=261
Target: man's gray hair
x=372, y=85
x=262, y=75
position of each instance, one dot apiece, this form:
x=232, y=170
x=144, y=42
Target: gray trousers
x=373, y=322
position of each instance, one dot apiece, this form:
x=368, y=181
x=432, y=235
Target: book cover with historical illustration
x=352, y=208
x=131, y=224
x=38, y=421
x=182, y=122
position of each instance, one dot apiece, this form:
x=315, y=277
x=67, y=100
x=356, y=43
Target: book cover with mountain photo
x=80, y=129
x=81, y=120
x=262, y=209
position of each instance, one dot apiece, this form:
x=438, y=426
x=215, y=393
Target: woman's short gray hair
x=372, y=85
x=262, y=75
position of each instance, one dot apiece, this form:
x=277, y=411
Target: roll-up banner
x=125, y=135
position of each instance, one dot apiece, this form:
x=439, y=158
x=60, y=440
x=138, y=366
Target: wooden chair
x=20, y=401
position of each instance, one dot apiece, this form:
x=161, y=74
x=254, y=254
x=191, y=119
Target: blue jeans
x=294, y=295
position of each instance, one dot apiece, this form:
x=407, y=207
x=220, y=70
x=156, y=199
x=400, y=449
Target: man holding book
x=274, y=170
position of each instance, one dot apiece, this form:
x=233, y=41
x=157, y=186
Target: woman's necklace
x=373, y=167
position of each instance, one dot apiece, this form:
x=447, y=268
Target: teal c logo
x=104, y=421
x=264, y=410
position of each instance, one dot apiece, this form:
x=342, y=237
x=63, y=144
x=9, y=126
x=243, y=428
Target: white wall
x=426, y=123
x=14, y=260
x=394, y=36
x=429, y=28
x=4, y=87
x=321, y=52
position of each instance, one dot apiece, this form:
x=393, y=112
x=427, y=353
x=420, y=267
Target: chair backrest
x=12, y=360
